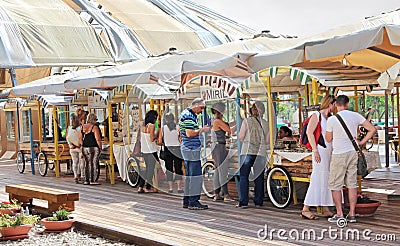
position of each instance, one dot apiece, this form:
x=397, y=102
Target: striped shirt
x=188, y=120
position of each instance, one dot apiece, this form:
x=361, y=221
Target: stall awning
x=54, y=100
x=53, y=84
x=141, y=92
x=283, y=79
x=46, y=33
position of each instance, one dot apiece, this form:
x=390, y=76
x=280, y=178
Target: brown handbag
x=137, y=148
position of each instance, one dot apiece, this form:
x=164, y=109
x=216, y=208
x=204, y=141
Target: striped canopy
x=81, y=96
x=203, y=82
x=141, y=92
x=292, y=79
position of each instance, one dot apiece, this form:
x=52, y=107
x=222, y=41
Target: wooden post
x=55, y=137
x=110, y=143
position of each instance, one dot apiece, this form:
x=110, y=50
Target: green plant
x=60, y=214
x=17, y=220
x=13, y=204
x=362, y=199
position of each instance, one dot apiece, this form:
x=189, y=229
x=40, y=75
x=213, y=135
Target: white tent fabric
x=167, y=68
x=124, y=43
x=46, y=29
x=232, y=29
x=208, y=35
x=52, y=84
x=12, y=47
x=54, y=100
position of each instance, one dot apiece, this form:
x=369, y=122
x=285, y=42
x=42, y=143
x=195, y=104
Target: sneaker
x=180, y=191
x=351, y=219
x=258, y=206
x=335, y=218
x=170, y=191
x=199, y=207
x=228, y=199
x=241, y=206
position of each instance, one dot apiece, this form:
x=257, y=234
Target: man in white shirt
x=343, y=166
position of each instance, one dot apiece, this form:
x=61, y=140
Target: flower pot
x=57, y=225
x=367, y=209
x=9, y=210
x=15, y=231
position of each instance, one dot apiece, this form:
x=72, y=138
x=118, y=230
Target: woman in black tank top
x=91, y=143
x=219, y=153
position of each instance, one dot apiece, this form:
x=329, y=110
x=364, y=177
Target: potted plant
x=10, y=207
x=16, y=226
x=365, y=206
x=60, y=221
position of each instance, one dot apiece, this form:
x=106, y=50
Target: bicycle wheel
x=279, y=187
x=208, y=171
x=43, y=165
x=20, y=160
x=132, y=171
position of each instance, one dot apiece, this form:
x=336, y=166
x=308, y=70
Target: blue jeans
x=193, y=183
x=258, y=164
x=194, y=178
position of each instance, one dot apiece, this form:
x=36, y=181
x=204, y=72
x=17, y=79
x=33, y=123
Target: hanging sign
x=96, y=101
x=216, y=88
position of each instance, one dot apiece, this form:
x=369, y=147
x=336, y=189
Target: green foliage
x=17, y=220
x=13, y=204
x=60, y=214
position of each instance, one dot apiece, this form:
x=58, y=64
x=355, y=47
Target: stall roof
x=81, y=97
x=210, y=87
x=140, y=92
x=160, y=25
x=167, y=68
x=285, y=79
x=373, y=43
x=51, y=85
x=53, y=100
x=39, y=33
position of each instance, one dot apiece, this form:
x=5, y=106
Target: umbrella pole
x=386, y=129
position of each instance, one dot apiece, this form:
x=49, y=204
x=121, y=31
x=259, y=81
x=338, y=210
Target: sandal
x=328, y=214
x=308, y=215
x=217, y=198
x=140, y=190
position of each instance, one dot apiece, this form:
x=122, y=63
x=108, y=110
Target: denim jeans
x=258, y=164
x=194, y=178
x=193, y=183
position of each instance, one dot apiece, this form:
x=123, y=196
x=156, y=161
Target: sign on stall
x=212, y=93
x=96, y=101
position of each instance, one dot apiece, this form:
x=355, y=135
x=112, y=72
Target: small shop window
x=10, y=124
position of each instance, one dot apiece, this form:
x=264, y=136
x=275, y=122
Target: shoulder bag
x=362, y=162
x=162, y=150
x=137, y=148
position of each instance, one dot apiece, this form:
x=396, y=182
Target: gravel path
x=71, y=238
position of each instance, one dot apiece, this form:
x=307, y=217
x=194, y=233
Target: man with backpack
x=343, y=166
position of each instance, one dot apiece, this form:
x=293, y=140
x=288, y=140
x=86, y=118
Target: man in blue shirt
x=190, y=148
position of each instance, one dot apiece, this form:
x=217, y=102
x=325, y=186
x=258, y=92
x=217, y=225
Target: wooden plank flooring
x=161, y=217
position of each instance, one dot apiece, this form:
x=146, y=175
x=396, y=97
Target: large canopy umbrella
x=46, y=33
x=166, y=68
x=50, y=85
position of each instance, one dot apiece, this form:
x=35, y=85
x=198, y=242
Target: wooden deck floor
x=161, y=217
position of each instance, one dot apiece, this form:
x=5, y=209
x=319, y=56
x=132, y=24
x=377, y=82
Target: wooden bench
x=55, y=197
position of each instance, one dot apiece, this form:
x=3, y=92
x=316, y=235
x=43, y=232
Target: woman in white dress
x=318, y=193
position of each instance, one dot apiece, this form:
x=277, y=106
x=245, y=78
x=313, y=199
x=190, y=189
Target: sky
x=301, y=18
